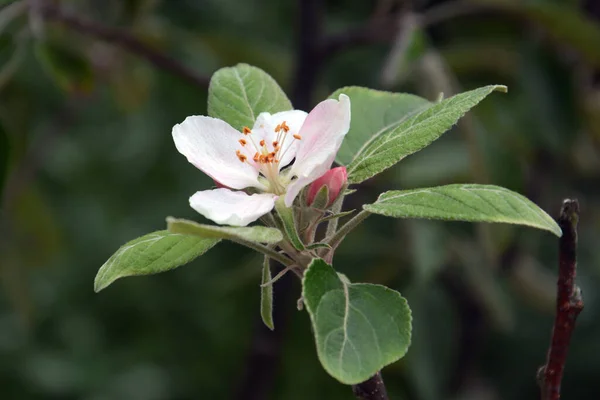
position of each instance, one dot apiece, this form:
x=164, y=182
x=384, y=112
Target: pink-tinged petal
x=265, y=125
x=294, y=188
x=211, y=144
x=227, y=207
x=322, y=134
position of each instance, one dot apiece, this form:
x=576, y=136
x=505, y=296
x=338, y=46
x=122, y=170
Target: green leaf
x=374, y=112
x=359, y=328
x=70, y=69
x=238, y=94
x=316, y=246
x=289, y=223
x=257, y=234
x=321, y=199
x=464, y=202
x=150, y=254
x=266, y=296
x=338, y=215
x=413, y=133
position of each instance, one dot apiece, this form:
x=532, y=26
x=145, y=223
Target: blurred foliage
x=87, y=163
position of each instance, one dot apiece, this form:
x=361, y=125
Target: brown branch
x=126, y=41
x=384, y=27
x=309, y=60
x=569, y=303
x=371, y=389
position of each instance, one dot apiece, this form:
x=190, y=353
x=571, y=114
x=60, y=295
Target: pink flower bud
x=220, y=185
x=334, y=179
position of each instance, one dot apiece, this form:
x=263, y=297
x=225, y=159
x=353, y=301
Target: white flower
x=256, y=159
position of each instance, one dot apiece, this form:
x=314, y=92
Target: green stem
x=337, y=238
x=265, y=250
x=336, y=208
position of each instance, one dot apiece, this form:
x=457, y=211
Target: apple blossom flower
x=253, y=166
x=334, y=179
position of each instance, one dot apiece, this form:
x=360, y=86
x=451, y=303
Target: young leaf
x=464, y=202
x=150, y=254
x=266, y=296
x=374, y=112
x=238, y=94
x=316, y=246
x=256, y=234
x=289, y=223
x=413, y=133
x=359, y=328
x=335, y=216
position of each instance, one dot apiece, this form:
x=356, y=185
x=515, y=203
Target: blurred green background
x=89, y=92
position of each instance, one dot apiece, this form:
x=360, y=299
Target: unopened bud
x=219, y=185
x=334, y=180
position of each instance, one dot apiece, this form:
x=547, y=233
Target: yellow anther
x=240, y=156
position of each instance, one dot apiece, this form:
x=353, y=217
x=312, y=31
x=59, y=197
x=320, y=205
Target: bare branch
x=126, y=41
x=371, y=389
x=569, y=303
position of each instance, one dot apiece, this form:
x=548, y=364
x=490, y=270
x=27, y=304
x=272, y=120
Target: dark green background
x=87, y=163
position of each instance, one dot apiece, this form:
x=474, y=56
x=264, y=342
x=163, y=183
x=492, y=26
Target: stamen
x=256, y=157
x=285, y=127
x=246, y=130
x=242, y=142
x=275, y=143
x=262, y=143
x=297, y=137
x=240, y=156
x=278, y=128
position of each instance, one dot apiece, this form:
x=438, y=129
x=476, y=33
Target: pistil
x=267, y=161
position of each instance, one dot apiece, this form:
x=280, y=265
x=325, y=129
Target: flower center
x=267, y=156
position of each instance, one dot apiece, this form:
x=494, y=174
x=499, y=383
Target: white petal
x=227, y=207
x=322, y=135
x=265, y=125
x=294, y=188
x=210, y=144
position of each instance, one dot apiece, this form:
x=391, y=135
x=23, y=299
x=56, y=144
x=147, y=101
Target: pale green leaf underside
x=257, y=234
x=413, y=134
x=373, y=113
x=359, y=328
x=266, y=296
x=238, y=94
x=286, y=214
x=150, y=254
x=464, y=202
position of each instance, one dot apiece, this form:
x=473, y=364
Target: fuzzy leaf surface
x=238, y=94
x=413, y=134
x=359, y=328
x=464, y=202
